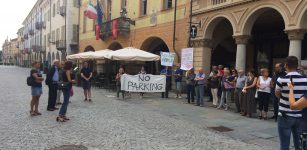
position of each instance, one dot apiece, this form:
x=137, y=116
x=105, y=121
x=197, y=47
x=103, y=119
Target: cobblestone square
x=110, y=124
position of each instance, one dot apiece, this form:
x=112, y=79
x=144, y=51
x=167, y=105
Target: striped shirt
x=300, y=88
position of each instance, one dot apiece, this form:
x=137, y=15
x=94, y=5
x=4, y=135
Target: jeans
x=263, y=101
x=226, y=95
x=286, y=126
x=191, y=93
x=200, y=95
x=63, y=109
x=53, y=89
x=167, y=88
x=214, y=95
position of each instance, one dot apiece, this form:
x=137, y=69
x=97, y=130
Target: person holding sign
x=178, y=78
x=117, y=78
x=200, y=85
x=142, y=72
x=168, y=73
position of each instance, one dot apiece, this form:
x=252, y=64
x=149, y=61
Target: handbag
x=63, y=85
x=30, y=81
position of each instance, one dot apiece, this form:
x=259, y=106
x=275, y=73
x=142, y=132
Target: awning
x=132, y=54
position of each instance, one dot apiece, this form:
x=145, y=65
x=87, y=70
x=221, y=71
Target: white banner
x=167, y=59
x=143, y=83
x=186, y=59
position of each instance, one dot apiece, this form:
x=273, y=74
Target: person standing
x=58, y=100
x=249, y=90
x=86, y=76
x=279, y=72
x=52, y=80
x=214, y=68
x=118, y=84
x=168, y=73
x=290, y=121
x=36, y=88
x=142, y=72
x=227, y=85
x=191, y=85
x=66, y=75
x=200, y=87
x=178, y=79
x=241, y=79
x=214, y=82
x=264, y=84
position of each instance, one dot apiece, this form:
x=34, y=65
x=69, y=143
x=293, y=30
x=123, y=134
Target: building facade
x=144, y=24
x=50, y=31
x=10, y=51
x=250, y=34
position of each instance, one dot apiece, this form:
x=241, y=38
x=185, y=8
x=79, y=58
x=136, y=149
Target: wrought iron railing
x=123, y=27
x=60, y=44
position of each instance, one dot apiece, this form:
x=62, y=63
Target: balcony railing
x=38, y=25
x=31, y=32
x=36, y=48
x=123, y=27
x=60, y=45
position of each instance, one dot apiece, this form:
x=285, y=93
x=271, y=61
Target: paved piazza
x=110, y=124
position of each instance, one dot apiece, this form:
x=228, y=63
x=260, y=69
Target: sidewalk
x=248, y=130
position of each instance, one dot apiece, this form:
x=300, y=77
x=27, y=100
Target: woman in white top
x=264, y=85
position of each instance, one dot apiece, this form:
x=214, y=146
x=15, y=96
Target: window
x=75, y=36
x=84, y=23
x=58, y=7
x=143, y=7
x=44, y=42
x=53, y=11
x=48, y=15
x=76, y=3
x=94, y=25
x=63, y=32
x=167, y=4
x=109, y=10
x=49, y=39
x=57, y=34
x=123, y=4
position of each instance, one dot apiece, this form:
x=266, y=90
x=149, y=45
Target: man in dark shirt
x=52, y=80
x=279, y=72
x=168, y=73
x=86, y=75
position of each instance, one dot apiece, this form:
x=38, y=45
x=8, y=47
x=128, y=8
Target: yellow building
x=147, y=24
x=10, y=51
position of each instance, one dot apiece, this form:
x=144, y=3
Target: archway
x=115, y=46
x=224, y=46
x=154, y=45
x=269, y=43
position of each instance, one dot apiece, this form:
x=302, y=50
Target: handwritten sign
x=143, y=83
x=167, y=59
x=186, y=59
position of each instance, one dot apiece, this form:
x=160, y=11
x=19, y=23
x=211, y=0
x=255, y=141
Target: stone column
x=241, y=41
x=202, y=54
x=295, y=37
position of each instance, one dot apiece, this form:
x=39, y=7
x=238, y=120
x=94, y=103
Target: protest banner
x=143, y=83
x=186, y=59
x=167, y=59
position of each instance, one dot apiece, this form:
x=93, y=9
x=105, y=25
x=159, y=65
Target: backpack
x=30, y=81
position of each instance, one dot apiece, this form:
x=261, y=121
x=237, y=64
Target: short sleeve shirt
x=36, y=84
x=178, y=72
x=86, y=72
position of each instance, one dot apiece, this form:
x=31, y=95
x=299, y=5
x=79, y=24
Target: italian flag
x=91, y=12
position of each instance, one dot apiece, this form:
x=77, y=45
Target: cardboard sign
x=167, y=59
x=186, y=59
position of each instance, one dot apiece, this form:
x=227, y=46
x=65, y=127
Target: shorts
x=86, y=85
x=178, y=86
x=36, y=91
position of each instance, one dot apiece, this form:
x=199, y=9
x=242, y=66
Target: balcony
x=38, y=25
x=36, y=48
x=25, y=36
x=63, y=11
x=31, y=32
x=60, y=45
x=123, y=28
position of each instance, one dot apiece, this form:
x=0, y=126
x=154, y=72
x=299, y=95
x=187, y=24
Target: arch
x=213, y=22
x=115, y=46
x=151, y=43
x=302, y=19
x=89, y=48
x=248, y=22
